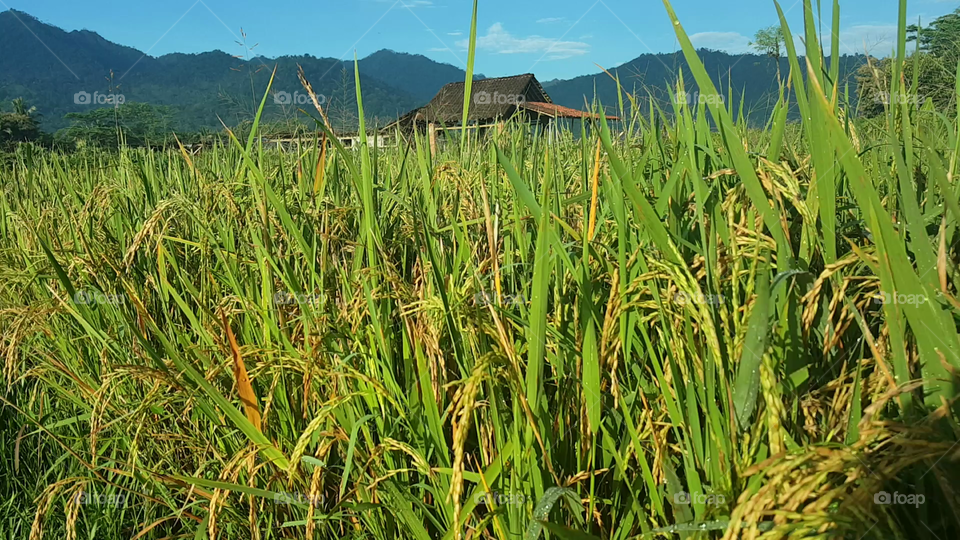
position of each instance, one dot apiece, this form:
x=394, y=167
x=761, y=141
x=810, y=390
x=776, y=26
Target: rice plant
x=681, y=326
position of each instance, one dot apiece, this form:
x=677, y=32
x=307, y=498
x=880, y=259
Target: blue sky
x=555, y=38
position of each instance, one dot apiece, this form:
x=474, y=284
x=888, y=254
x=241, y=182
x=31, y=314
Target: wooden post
x=432, y=129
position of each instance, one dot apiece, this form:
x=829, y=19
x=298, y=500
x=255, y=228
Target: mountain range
x=61, y=72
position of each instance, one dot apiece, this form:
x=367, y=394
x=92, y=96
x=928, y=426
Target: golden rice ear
x=152, y=229
x=46, y=501
x=882, y=400
x=313, y=96
x=73, y=511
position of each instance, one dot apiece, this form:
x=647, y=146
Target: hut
x=492, y=101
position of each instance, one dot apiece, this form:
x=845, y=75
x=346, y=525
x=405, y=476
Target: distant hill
x=201, y=88
x=414, y=74
x=204, y=89
x=752, y=78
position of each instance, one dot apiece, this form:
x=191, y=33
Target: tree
x=941, y=38
x=770, y=41
x=135, y=124
x=21, y=125
x=20, y=107
x=873, y=85
x=935, y=63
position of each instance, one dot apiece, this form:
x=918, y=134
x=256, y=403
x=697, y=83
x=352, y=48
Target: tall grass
x=517, y=337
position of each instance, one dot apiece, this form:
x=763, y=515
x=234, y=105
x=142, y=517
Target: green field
x=677, y=327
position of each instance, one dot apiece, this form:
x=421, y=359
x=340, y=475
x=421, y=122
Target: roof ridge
x=491, y=79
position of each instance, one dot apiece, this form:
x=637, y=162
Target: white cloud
x=731, y=42
x=549, y=20
x=439, y=49
x=500, y=41
x=454, y=33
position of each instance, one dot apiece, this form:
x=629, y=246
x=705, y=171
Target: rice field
x=682, y=327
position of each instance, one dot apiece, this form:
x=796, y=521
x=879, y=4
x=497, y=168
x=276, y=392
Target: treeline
x=135, y=125
x=931, y=70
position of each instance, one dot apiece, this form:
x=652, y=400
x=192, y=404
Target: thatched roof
x=491, y=99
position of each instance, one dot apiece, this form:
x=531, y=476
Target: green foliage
x=21, y=125
x=769, y=41
x=934, y=63
x=941, y=38
x=130, y=124
x=935, y=84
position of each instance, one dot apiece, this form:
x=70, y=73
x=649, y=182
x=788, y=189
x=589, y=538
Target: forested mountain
x=750, y=78
x=203, y=90
x=414, y=74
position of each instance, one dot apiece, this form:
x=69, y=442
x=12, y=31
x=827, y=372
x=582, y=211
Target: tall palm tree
x=20, y=107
